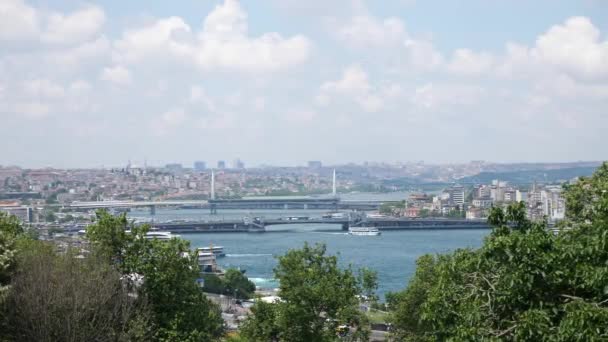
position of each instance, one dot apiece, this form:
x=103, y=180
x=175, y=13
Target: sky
x=281, y=82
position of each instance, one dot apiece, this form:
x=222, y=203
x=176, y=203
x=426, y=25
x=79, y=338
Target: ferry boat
x=207, y=264
x=218, y=251
x=363, y=231
x=160, y=235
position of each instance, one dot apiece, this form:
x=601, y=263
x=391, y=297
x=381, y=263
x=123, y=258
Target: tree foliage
x=10, y=230
x=65, y=298
x=169, y=269
x=525, y=283
x=316, y=295
x=233, y=283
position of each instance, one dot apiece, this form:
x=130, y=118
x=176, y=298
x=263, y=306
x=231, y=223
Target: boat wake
x=246, y=255
x=332, y=233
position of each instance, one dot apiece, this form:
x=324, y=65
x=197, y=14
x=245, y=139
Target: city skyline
x=283, y=82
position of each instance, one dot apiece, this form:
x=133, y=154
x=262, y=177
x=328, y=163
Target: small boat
x=160, y=235
x=363, y=231
x=218, y=251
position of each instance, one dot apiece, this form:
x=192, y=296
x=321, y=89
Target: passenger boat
x=363, y=231
x=160, y=235
x=218, y=251
x=207, y=264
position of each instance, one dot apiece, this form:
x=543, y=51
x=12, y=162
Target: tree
x=65, y=298
x=169, y=269
x=236, y=283
x=182, y=312
x=316, y=297
x=386, y=208
x=368, y=280
x=524, y=283
x=587, y=199
x=406, y=306
x=109, y=235
x=263, y=323
x=10, y=231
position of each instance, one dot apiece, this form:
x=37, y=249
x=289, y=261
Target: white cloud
x=446, y=95
x=198, y=95
x=387, y=37
x=91, y=52
x=43, y=88
x=18, y=21
x=222, y=44
x=421, y=55
x=366, y=31
x=156, y=40
x=168, y=121
x=300, y=116
x=259, y=104
x=354, y=81
x=355, y=85
x=32, y=110
x=73, y=28
x=574, y=47
x=116, y=74
x=468, y=62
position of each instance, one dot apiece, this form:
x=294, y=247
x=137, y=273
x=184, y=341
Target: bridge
x=282, y=203
x=259, y=225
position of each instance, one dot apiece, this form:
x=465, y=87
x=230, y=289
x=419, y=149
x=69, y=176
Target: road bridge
x=259, y=225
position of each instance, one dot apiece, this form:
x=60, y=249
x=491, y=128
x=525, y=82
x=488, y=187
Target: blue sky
x=85, y=84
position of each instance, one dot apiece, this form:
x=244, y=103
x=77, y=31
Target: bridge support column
x=344, y=226
x=213, y=208
x=285, y=206
x=152, y=210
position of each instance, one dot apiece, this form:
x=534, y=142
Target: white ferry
x=218, y=251
x=207, y=264
x=364, y=231
x=160, y=235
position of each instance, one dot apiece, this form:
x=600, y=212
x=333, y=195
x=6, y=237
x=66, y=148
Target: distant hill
x=529, y=176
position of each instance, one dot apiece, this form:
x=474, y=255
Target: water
x=393, y=254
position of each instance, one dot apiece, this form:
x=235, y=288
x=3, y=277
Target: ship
x=218, y=251
x=363, y=231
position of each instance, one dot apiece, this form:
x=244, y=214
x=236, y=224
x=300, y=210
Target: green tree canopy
x=169, y=270
x=316, y=297
x=525, y=283
x=233, y=283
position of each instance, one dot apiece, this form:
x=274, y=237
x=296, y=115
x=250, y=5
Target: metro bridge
x=259, y=225
x=281, y=203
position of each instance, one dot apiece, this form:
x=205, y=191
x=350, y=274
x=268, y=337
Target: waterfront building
x=483, y=191
x=412, y=212
x=510, y=195
x=474, y=213
x=483, y=202
x=456, y=194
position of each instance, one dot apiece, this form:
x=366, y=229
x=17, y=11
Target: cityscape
x=303, y=171
x=53, y=196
